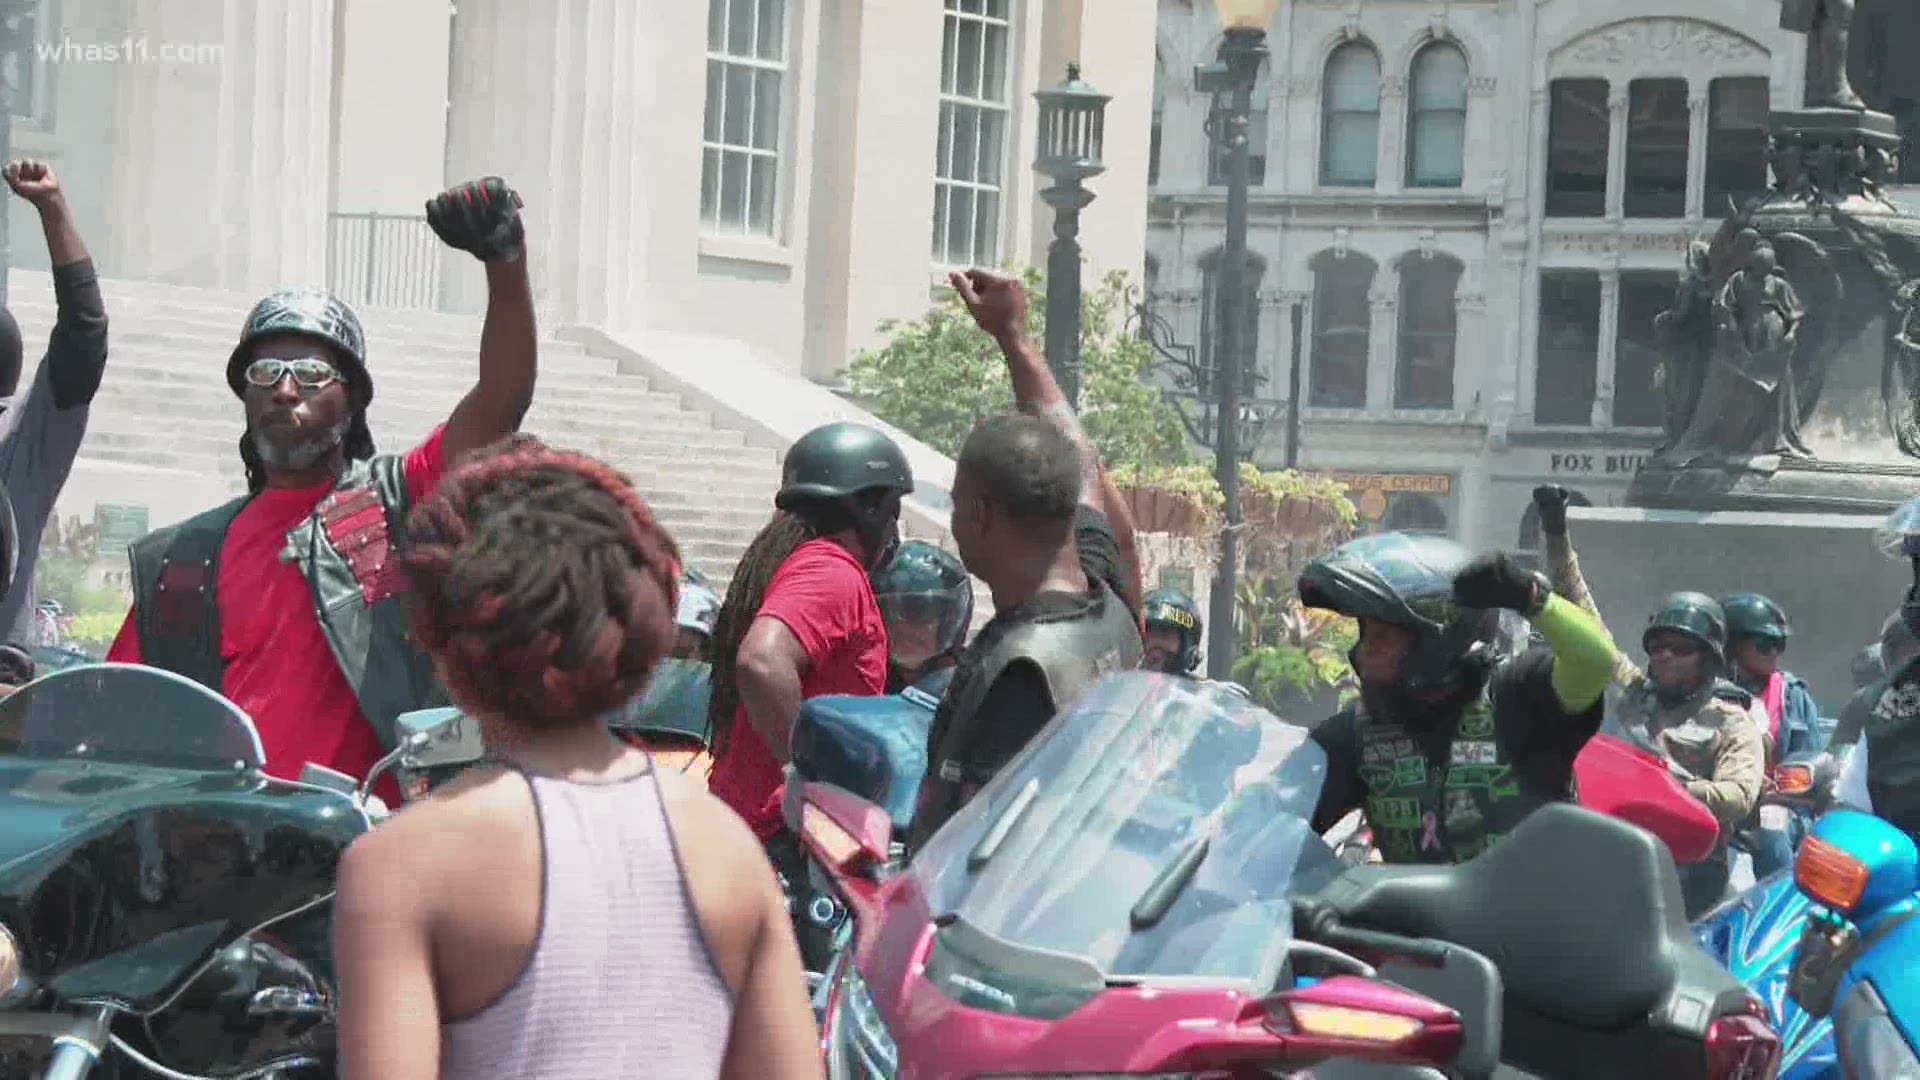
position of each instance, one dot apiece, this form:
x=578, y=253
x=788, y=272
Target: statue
x=1749, y=404
x=1686, y=331
x=1827, y=24
x=1902, y=386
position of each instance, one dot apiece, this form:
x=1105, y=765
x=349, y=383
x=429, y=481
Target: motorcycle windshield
x=1151, y=831
x=127, y=713
x=675, y=701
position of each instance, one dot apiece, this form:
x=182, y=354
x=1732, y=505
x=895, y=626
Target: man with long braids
x=285, y=599
x=574, y=911
x=800, y=619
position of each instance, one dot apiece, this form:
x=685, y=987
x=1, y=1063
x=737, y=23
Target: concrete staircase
x=164, y=428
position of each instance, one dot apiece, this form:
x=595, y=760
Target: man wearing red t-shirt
x=800, y=619
x=287, y=600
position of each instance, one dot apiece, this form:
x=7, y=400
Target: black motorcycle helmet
x=1174, y=610
x=1751, y=615
x=925, y=584
x=845, y=474
x=1695, y=615
x=317, y=314
x=1407, y=580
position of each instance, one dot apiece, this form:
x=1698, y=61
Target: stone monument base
x=1822, y=568
x=1774, y=483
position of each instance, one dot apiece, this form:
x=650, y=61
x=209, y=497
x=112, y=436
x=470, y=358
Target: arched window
x=1437, y=117
x=1342, y=319
x=1350, y=118
x=1256, y=137
x=1211, y=297
x=1428, y=285
x=1415, y=513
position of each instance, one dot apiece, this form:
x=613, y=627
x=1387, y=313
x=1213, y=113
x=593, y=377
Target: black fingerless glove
x=1496, y=581
x=481, y=217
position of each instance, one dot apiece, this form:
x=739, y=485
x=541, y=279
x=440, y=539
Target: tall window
x=746, y=74
x=970, y=163
x=1350, y=123
x=1256, y=138
x=1637, y=400
x=1342, y=321
x=1657, y=126
x=1424, y=379
x=1212, y=296
x=1415, y=513
x=1736, y=142
x=1577, y=133
x=1437, y=117
x=1159, y=110
x=1569, y=347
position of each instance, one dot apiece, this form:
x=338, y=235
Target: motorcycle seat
x=1519, y=903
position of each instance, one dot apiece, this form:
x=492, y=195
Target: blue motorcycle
x=1755, y=935
x=1856, y=958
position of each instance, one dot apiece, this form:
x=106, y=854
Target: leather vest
x=1069, y=652
x=345, y=551
x=1893, y=750
x=1426, y=813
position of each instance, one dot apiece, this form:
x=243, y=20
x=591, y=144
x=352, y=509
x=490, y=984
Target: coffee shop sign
x=1584, y=463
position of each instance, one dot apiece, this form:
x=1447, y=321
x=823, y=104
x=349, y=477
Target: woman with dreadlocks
x=800, y=619
x=573, y=912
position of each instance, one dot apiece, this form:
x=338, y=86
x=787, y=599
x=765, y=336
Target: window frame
x=1411, y=269
x=1328, y=114
x=1540, y=351
x=954, y=14
x=1319, y=331
x=715, y=146
x=1415, y=114
x=1548, y=190
x=1638, y=134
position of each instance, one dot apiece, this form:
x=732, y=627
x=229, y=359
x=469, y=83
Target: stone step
x=220, y=446
x=412, y=354
x=223, y=328
x=447, y=383
x=38, y=286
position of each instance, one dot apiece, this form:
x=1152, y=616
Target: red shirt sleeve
x=126, y=644
x=815, y=594
x=425, y=463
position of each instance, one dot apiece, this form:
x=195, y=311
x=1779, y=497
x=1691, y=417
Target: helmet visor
x=923, y=625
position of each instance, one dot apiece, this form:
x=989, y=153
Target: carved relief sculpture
x=1686, y=332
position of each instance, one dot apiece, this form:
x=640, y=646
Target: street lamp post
x=1230, y=79
x=1072, y=133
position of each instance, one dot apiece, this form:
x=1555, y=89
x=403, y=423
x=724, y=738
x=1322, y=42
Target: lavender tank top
x=620, y=982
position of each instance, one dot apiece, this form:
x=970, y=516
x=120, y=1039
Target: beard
x=304, y=454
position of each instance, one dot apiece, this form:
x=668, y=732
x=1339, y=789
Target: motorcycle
x=669, y=720
x=1855, y=960
x=1140, y=892
x=165, y=904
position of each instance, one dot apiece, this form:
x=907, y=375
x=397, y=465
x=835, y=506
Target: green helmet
x=924, y=585
x=1753, y=615
x=838, y=461
x=1694, y=615
x=1176, y=610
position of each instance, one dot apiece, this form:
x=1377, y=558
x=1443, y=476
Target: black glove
x=481, y=217
x=1551, y=500
x=1496, y=581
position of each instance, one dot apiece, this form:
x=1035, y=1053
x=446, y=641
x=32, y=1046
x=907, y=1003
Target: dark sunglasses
x=1678, y=647
x=1769, y=645
x=309, y=372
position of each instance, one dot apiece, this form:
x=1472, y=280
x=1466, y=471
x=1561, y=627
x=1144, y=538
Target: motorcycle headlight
x=860, y=1046
x=12, y=966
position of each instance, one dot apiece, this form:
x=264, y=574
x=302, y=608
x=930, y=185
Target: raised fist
x=480, y=217
x=997, y=302
x=33, y=180
x=1496, y=581
x=1551, y=500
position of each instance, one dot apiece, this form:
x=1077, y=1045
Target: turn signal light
x=1829, y=875
x=1345, y=1022
x=1793, y=779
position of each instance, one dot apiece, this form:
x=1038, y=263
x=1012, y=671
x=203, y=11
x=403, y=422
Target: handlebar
x=1314, y=920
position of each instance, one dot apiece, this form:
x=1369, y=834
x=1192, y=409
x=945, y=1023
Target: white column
x=221, y=169
x=1616, y=151
x=592, y=110
x=1382, y=339
x=1392, y=169
x=1602, y=415
x=1697, y=151
x=390, y=136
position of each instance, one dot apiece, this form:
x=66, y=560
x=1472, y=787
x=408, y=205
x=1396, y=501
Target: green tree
x=939, y=375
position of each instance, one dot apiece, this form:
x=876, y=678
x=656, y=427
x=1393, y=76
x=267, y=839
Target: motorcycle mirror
x=1350, y=1016
x=847, y=832
x=450, y=738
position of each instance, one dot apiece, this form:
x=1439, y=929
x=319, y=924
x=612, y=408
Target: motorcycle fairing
x=123, y=880
x=1753, y=936
x=874, y=747
x=1871, y=1038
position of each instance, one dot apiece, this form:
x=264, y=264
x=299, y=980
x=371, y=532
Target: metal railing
x=384, y=260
